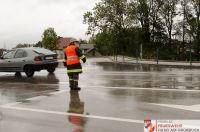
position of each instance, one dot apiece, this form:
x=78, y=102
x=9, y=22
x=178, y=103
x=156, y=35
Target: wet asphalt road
x=114, y=98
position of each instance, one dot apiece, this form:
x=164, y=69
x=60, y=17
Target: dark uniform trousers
x=73, y=80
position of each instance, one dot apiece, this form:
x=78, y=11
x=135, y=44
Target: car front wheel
x=29, y=71
x=51, y=70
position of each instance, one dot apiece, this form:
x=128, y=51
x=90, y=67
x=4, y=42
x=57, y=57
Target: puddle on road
x=138, y=76
x=49, y=79
x=122, y=75
x=14, y=89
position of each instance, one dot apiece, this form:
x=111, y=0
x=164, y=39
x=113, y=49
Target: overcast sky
x=23, y=21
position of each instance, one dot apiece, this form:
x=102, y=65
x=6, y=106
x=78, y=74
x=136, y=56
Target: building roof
x=63, y=42
x=86, y=46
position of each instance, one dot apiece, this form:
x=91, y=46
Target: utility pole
x=141, y=51
x=4, y=45
x=190, y=53
x=157, y=55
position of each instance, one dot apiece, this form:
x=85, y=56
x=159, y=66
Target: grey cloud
x=55, y=1
x=23, y=21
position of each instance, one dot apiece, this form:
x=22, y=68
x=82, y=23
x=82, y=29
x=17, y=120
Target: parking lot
x=113, y=98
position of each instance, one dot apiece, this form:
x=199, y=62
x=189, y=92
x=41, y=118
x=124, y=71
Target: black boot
x=75, y=83
x=75, y=87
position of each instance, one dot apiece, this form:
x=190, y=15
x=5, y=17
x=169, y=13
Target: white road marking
x=10, y=104
x=194, y=108
x=73, y=114
x=34, y=98
x=63, y=83
x=129, y=88
x=137, y=88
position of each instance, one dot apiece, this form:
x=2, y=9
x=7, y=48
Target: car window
x=43, y=51
x=9, y=55
x=20, y=54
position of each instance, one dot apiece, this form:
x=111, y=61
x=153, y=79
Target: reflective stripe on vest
x=75, y=70
x=72, y=57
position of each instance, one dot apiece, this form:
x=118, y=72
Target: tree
x=82, y=41
x=181, y=28
x=156, y=24
x=103, y=43
x=168, y=14
x=50, y=39
x=194, y=23
x=140, y=10
x=147, y=14
x=108, y=17
x=23, y=45
x=121, y=26
x=38, y=44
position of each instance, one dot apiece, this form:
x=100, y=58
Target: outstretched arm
x=65, y=59
x=80, y=54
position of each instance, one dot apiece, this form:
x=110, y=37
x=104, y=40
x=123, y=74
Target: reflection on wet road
x=19, y=88
x=150, y=77
x=76, y=107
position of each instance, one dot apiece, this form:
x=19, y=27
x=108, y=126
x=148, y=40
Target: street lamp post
x=190, y=53
x=157, y=54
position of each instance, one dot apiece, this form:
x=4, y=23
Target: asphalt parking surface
x=113, y=98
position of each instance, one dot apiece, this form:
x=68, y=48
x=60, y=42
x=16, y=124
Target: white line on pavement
x=137, y=88
x=34, y=98
x=67, y=114
x=59, y=92
x=10, y=104
x=194, y=108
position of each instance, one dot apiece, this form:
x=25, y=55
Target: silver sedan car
x=28, y=60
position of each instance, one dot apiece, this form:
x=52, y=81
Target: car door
x=20, y=59
x=6, y=61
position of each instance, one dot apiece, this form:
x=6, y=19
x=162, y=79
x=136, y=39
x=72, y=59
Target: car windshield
x=9, y=54
x=43, y=51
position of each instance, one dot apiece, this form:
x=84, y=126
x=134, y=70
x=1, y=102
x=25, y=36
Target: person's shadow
x=76, y=107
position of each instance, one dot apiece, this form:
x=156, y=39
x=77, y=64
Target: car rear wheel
x=29, y=71
x=51, y=70
x=18, y=74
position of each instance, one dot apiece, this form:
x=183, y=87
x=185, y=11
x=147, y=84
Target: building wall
x=93, y=53
x=60, y=54
x=2, y=51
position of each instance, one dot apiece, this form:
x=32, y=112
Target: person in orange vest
x=73, y=55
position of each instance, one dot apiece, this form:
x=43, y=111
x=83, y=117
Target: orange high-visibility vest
x=72, y=57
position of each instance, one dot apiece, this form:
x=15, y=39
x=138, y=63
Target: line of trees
x=169, y=27
x=49, y=40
